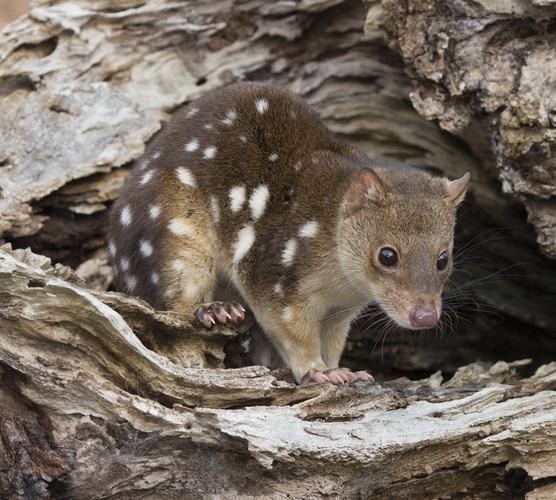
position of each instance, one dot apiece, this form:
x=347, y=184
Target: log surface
x=97, y=402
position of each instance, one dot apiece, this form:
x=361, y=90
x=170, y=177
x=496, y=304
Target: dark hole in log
x=41, y=49
x=11, y=84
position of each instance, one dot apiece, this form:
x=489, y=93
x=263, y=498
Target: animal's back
x=237, y=164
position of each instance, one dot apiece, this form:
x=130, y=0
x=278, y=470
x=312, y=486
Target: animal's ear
x=366, y=186
x=456, y=189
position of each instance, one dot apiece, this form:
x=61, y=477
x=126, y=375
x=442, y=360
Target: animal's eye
x=388, y=257
x=442, y=261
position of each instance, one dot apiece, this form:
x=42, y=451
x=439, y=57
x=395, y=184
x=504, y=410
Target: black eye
x=442, y=261
x=388, y=257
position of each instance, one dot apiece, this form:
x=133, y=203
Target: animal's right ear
x=456, y=189
x=365, y=187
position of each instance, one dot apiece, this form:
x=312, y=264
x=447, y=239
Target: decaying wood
x=99, y=385
x=99, y=403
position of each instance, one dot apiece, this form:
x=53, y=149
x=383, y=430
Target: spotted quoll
x=246, y=186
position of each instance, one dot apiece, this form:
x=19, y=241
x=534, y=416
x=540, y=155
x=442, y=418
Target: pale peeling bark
x=99, y=385
x=111, y=409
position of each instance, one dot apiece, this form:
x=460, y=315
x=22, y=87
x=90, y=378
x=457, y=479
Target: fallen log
x=98, y=403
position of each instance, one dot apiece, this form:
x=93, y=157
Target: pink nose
x=423, y=317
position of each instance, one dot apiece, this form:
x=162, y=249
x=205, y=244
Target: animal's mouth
x=417, y=318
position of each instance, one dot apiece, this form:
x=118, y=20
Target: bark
x=97, y=384
x=84, y=397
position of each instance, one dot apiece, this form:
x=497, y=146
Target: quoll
x=247, y=187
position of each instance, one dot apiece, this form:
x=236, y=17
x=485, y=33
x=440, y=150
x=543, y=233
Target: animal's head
x=396, y=232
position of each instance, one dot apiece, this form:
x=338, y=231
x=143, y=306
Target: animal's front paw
x=341, y=376
x=364, y=376
x=222, y=313
x=346, y=376
x=314, y=376
x=336, y=376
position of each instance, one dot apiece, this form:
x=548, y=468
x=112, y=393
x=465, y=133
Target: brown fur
x=305, y=307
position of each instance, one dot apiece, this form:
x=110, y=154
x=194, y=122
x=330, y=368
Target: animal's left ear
x=456, y=189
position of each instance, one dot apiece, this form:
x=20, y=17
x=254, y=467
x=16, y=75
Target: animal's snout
x=423, y=317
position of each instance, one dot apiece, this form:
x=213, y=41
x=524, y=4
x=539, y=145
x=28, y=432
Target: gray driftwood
x=102, y=397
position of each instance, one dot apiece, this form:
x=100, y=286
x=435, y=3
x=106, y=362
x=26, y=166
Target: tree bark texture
x=103, y=397
x=90, y=412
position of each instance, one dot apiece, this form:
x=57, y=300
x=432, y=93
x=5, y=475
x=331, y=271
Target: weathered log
x=98, y=384
x=98, y=403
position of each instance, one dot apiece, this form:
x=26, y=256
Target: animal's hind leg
x=189, y=272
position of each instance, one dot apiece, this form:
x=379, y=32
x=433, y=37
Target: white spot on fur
x=125, y=216
x=186, y=177
x=243, y=139
x=209, y=153
x=192, y=145
x=315, y=160
x=177, y=265
x=144, y=163
x=154, y=211
x=214, y=209
x=258, y=200
x=261, y=105
x=181, y=227
x=155, y=278
x=273, y=156
x=278, y=288
x=288, y=254
x=245, y=240
x=229, y=118
x=309, y=229
x=297, y=165
x=112, y=248
x=131, y=282
x=145, y=248
x=293, y=113
x=146, y=177
x=208, y=126
x=192, y=112
x=287, y=313
x=156, y=156
x=237, y=198
x=124, y=264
